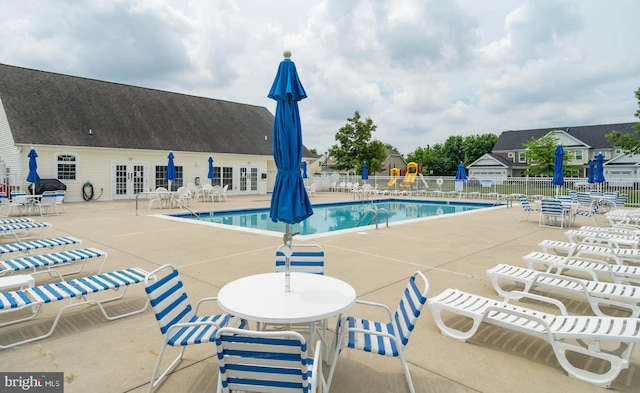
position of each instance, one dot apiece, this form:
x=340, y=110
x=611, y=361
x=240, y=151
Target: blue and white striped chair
x=257, y=361
x=526, y=207
x=305, y=258
x=179, y=323
x=553, y=214
x=621, y=200
x=5, y=203
x=384, y=338
x=590, y=211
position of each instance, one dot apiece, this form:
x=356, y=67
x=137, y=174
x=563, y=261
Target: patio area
x=452, y=251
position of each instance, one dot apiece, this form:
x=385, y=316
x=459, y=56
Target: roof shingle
x=55, y=109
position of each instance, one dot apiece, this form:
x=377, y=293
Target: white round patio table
x=262, y=298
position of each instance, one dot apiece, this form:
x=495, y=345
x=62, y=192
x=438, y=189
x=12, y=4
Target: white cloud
x=423, y=70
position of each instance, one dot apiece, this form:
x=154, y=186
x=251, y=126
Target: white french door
x=127, y=179
x=248, y=180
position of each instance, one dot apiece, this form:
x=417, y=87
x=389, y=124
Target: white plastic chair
x=178, y=320
x=224, y=192
x=184, y=196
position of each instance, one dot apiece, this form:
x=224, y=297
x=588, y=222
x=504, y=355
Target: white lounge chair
x=75, y=292
x=597, y=293
x=622, y=274
x=619, y=255
x=258, y=361
x=590, y=336
x=623, y=216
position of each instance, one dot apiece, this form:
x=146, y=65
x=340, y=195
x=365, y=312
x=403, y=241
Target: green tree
x=433, y=159
x=454, y=153
x=443, y=159
x=475, y=146
x=391, y=147
x=629, y=143
x=541, y=154
x=355, y=146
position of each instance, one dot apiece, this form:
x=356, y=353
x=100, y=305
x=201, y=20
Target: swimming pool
x=333, y=218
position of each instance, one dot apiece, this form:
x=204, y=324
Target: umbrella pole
x=287, y=238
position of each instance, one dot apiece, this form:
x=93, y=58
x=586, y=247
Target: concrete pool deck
x=452, y=251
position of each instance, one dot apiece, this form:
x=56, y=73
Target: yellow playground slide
x=395, y=172
x=410, y=176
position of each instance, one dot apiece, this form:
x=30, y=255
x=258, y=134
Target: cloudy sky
x=422, y=70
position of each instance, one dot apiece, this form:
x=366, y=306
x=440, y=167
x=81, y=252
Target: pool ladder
x=181, y=204
x=374, y=216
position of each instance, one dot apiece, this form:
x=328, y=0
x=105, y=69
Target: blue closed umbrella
x=171, y=170
x=33, y=177
x=289, y=202
x=365, y=171
x=558, y=174
x=592, y=172
x=304, y=170
x=210, y=174
x=600, y=168
x=461, y=174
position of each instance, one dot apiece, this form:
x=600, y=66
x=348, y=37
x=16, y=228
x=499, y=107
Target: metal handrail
x=376, y=216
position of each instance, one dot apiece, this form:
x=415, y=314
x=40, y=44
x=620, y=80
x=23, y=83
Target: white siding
x=9, y=152
x=94, y=165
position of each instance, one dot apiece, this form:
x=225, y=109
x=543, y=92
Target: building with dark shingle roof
x=584, y=143
x=117, y=136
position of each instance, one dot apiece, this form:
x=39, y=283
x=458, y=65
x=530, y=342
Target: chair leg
x=155, y=382
x=407, y=374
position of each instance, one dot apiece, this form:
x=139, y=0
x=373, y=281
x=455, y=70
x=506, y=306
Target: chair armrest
x=372, y=333
x=378, y=305
x=318, y=377
x=203, y=300
x=181, y=325
x=517, y=295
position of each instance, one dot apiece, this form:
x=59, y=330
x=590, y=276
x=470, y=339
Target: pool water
x=339, y=216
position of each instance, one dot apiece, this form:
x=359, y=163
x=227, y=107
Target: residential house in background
x=117, y=137
x=583, y=142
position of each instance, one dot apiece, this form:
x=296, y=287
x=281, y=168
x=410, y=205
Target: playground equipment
x=410, y=176
x=395, y=172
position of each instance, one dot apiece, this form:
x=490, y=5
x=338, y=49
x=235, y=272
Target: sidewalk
x=453, y=251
